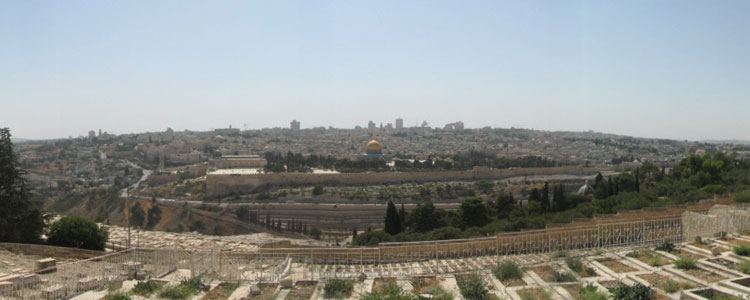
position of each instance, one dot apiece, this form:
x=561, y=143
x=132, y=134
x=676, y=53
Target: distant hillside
x=20, y=140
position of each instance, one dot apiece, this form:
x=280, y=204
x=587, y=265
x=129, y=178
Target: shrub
x=527, y=295
x=743, y=197
x=744, y=266
x=670, y=286
x=574, y=264
x=184, y=290
x=389, y=292
x=507, y=270
x=146, y=288
x=743, y=250
x=686, y=263
x=636, y=292
x=655, y=261
x=589, y=292
x=473, y=287
x=78, y=232
x=589, y=272
x=116, y=296
x=337, y=288
x=699, y=240
x=666, y=247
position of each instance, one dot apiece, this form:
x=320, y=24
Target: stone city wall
x=240, y=163
x=224, y=184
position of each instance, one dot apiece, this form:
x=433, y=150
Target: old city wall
x=223, y=184
x=240, y=163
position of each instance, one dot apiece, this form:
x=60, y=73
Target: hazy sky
x=673, y=69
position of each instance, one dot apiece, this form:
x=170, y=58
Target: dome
x=373, y=147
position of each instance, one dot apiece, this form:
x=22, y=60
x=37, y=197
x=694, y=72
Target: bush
x=184, y=290
x=389, y=292
x=116, y=296
x=666, y=247
x=686, y=263
x=743, y=197
x=589, y=292
x=507, y=270
x=743, y=250
x=670, y=286
x=574, y=264
x=146, y=288
x=744, y=266
x=337, y=288
x=636, y=292
x=526, y=295
x=473, y=287
x=78, y=232
x=655, y=261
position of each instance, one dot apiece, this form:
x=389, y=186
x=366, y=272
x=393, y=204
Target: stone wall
x=240, y=163
x=224, y=184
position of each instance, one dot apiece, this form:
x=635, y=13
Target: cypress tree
x=392, y=219
x=21, y=219
x=545, y=197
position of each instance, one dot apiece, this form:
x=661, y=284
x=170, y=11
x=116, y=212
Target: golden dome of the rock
x=373, y=146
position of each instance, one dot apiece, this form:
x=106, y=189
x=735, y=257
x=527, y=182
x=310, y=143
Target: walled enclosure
x=224, y=184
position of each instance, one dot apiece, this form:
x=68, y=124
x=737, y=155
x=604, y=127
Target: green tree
x=137, y=217
x=425, y=217
x=21, y=219
x=474, y=212
x=392, y=219
x=318, y=190
x=154, y=216
x=243, y=213
x=78, y=232
x=545, y=198
x=315, y=232
x=504, y=204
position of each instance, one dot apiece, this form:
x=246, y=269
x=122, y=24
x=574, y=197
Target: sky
x=667, y=69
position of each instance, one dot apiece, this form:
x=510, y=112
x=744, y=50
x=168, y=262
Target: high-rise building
x=371, y=125
x=399, y=123
x=294, y=125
